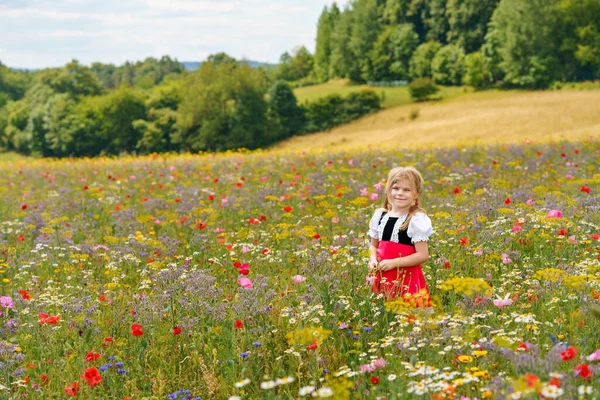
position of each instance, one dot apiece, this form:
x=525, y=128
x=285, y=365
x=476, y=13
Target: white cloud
x=39, y=33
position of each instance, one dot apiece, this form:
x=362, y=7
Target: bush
x=422, y=88
x=476, y=72
x=448, y=65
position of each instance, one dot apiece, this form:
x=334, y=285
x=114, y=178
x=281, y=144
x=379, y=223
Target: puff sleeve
x=374, y=225
x=419, y=228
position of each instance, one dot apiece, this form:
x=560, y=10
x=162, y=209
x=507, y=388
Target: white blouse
x=419, y=227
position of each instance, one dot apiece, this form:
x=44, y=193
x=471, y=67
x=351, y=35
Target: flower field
x=242, y=275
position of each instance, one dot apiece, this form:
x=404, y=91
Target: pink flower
x=245, y=249
x=245, y=282
x=374, y=196
x=335, y=220
x=572, y=240
x=378, y=186
x=569, y=176
x=554, y=214
x=529, y=202
x=364, y=192
x=132, y=178
x=506, y=259
x=594, y=356
x=478, y=253
x=6, y=302
x=517, y=228
x=298, y=278
x=350, y=162
x=506, y=301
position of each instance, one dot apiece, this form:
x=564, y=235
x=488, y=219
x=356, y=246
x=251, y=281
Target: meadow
x=242, y=275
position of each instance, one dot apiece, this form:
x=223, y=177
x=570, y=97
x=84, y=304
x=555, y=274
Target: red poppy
x=507, y=201
x=44, y=378
x=585, y=189
x=287, y=209
x=464, y=241
x=136, y=330
x=72, y=390
x=562, y=232
x=102, y=297
x=447, y=265
x=108, y=339
x=244, y=270
x=92, y=376
x=554, y=382
x=176, y=330
x=456, y=190
x=200, y=225
x=594, y=236
x=316, y=236
x=24, y=294
x=24, y=207
x=569, y=354
x=313, y=345
x=583, y=371
x=238, y=324
x=91, y=356
x=531, y=379
x=21, y=238
x=374, y=380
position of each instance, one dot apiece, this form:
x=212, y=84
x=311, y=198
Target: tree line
x=225, y=104
x=506, y=43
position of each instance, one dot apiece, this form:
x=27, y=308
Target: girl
x=399, y=233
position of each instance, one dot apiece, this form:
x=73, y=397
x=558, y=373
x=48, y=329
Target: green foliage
x=422, y=89
x=285, y=117
x=525, y=34
x=448, y=65
x=296, y=66
x=476, y=73
x=468, y=22
x=333, y=110
x=222, y=107
x=365, y=30
x=323, y=48
x=342, y=57
x=391, y=53
x=142, y=74
x=420, y=62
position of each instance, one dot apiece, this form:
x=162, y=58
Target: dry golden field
x=483, y=118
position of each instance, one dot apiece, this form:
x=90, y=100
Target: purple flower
x=6, y=302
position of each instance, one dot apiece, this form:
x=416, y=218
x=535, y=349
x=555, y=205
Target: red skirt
x=406, y=282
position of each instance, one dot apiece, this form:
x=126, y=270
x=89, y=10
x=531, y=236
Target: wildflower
x=287, y=209
x=25, y=295
x=238, y=324
x=569, y=354
x=465, y=359
x=464, y=241
x=91, y=356
x=325, y=392
x=256, y=344
x=72, y=390
x=374, y=196
x=364, y=192
x=507, y=201
x=551, y=392
x=594, y=356
x=306, y=390
x=456, y=190
x=267, y=385
x=532, y=380
x=298, y=278
x=391, y=377
x=244, y=354
x=501, y=302
x=136, y=330
x=176, y=330
x=583, y=371
x=6, y=302
x=374, y=380
x=554, y=214
x=92, y=376
x=242, y=383
x=122, y=371
x=245, y=283
x=585, y=189
x=582, y=390
x=313, y=346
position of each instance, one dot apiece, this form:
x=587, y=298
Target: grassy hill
x=489, y=117
x=393, y=96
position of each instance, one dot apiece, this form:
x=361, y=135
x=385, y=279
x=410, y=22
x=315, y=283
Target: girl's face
x=402, y=195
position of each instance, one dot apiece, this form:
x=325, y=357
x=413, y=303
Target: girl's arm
x=420, y=256
x=373, y=253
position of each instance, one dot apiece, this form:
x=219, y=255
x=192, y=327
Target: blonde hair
x=415, y=180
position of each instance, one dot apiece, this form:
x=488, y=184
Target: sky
x=50, y=33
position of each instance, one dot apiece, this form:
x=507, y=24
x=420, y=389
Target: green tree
x=342, y=57
x=420, y=62
x=422, y=89
x=526, y=34
x=448, y=65
x=296, y=66
x=365, y=30
x=222, y=107
x=285, y=118
x=323, y=47
x=468, y=22
x=476, y=73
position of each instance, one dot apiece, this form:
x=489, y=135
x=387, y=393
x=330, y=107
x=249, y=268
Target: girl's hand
x=387, y=265
x=373, y=263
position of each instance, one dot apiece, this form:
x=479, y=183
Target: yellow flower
x=465, y=359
